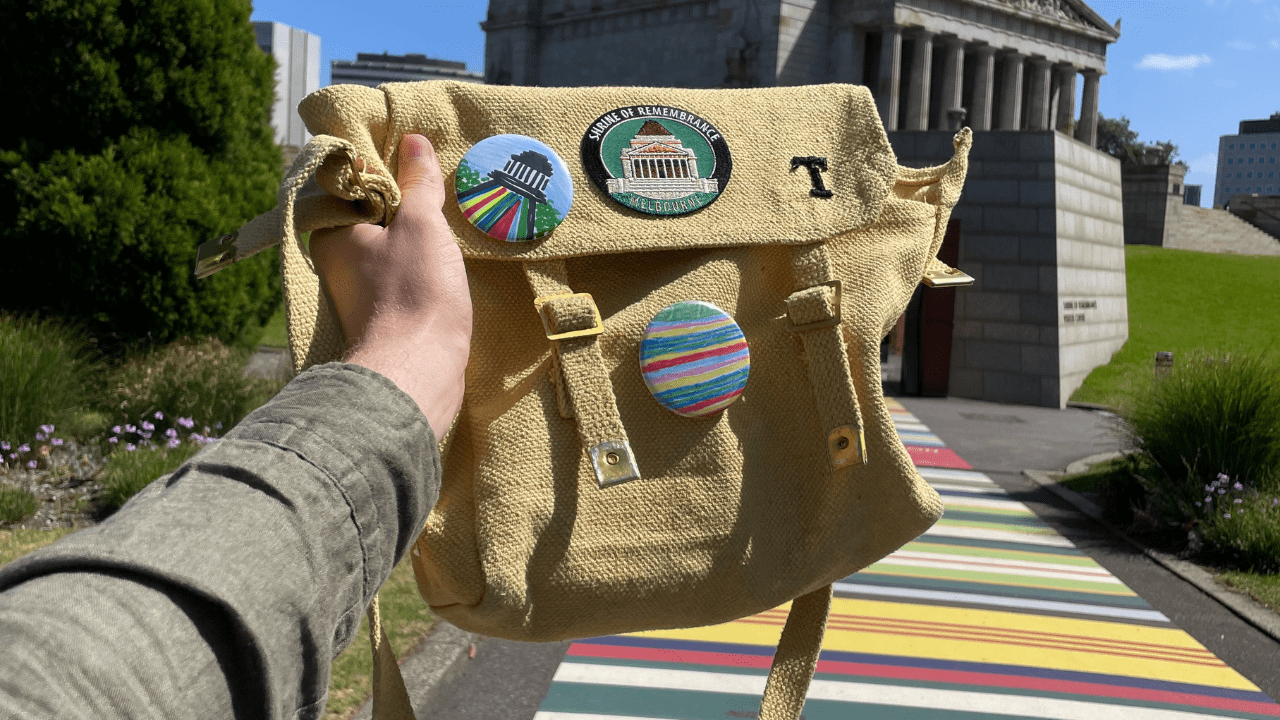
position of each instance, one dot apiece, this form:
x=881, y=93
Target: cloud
x=1160, y=61
x=1275, y=43
x=1240, y=45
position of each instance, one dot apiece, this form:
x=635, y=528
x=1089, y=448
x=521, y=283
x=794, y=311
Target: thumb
x=419, y=174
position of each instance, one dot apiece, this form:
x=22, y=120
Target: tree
x=1117, y=140
x=139, y=129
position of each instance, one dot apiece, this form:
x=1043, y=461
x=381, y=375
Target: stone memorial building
x=1041, y=218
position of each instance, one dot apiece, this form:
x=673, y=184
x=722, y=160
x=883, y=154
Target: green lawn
x=1263, y=588
x=274, y=333
x=1181, y=301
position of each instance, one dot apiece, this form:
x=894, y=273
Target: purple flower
x=40, y=436
x=113, y=440
x=148, y=426
x=171, y=433
x=1223, y=477
x=56, y=441
x=24, y=448
x=186, y=422
x=47, y=429
x=13, y=456
x=130, y=447
x=1226, y=515
x=31, y=464
x=4, y=445
x=198, y=438
x=1237, y=486
x=159, y=415
x=173, y=443
x=1237, y=501
x=116, y=429
x=1208, y=498
x=1275, y=502
x=131, y=428
x=1222, y=491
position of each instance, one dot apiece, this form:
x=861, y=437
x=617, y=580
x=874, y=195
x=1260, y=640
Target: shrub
x=202, y=381
x=127, y=472
x=16, y=504
x=46, y=371
x=1241, y=527
x=1212, y=416
x=139, y=131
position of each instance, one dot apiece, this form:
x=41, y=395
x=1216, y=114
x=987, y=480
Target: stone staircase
x=1209, y=230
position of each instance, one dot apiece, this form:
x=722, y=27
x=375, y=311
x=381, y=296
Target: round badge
x=657, y=160
x=513, y=188
x=694, y=358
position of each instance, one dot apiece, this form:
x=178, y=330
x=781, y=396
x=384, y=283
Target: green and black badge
x=657, y=160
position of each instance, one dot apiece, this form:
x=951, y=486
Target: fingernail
x=410, y=150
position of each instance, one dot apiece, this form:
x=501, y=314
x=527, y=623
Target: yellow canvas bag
x=572, y=503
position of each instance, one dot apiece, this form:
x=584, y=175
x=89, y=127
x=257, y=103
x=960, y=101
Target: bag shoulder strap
x=797, y=656
x=390, y=697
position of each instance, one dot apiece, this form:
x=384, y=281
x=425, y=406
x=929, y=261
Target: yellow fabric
x=734, y=513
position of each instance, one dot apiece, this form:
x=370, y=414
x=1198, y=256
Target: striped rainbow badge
x=694, y=358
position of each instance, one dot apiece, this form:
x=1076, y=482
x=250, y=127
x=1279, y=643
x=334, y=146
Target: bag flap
x=765, y=200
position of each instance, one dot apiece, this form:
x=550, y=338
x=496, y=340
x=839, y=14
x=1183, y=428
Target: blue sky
x=1183, y=70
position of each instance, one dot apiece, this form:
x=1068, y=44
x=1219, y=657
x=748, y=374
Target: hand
x=401, y=291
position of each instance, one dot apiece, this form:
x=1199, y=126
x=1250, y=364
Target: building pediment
x=657, y=148
x=1071, y=11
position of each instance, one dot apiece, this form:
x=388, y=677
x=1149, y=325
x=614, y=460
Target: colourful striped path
x=990, y=614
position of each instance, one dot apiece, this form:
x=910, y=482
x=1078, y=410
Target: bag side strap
x=390, y=697
x=796, y=657
x=813, y=311
x=572, y=322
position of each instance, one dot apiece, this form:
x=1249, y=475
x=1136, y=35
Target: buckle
x=819, y=324
x=597, y=329
x=950, y=277
x=214, y=255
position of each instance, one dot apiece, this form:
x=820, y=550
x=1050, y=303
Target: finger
x=419, y=173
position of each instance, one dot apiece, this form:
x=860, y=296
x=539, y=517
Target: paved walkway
x=990, y=614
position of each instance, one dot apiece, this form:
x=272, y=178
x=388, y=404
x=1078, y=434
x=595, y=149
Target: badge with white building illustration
x=657, y=160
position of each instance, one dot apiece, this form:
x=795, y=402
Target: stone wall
x=1042, y=235
x=1152, y=202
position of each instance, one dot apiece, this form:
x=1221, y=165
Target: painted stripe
x=737, y=650
x=937, y=457
x=1070, y=551
x=671, y=658
x=998, y=565
x=996, y=586
x=1000, y=601
x=978, y=500
x=941, y=530
x=865, y=693
x=994, y=551
x=956, y=475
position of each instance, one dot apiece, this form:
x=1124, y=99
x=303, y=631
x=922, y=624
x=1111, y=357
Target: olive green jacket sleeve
x=226, y=588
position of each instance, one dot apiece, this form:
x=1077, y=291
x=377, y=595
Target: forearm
x=238, y=578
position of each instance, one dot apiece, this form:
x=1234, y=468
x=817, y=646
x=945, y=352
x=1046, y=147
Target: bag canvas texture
x=733, y=513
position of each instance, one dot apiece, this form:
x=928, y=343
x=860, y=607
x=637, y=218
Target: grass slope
x=1180, y=301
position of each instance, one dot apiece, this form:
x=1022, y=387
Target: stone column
x=918, y=90
x=890, y=75
x=1011, y=95
x=847, y=56
x=983, y=87
x=952, y=77
x=1038, y=107
x=1087, y=128
x=1066, y=99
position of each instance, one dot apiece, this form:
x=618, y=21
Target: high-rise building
x=297, y=54
x=1247, y=161
x=373, y=70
